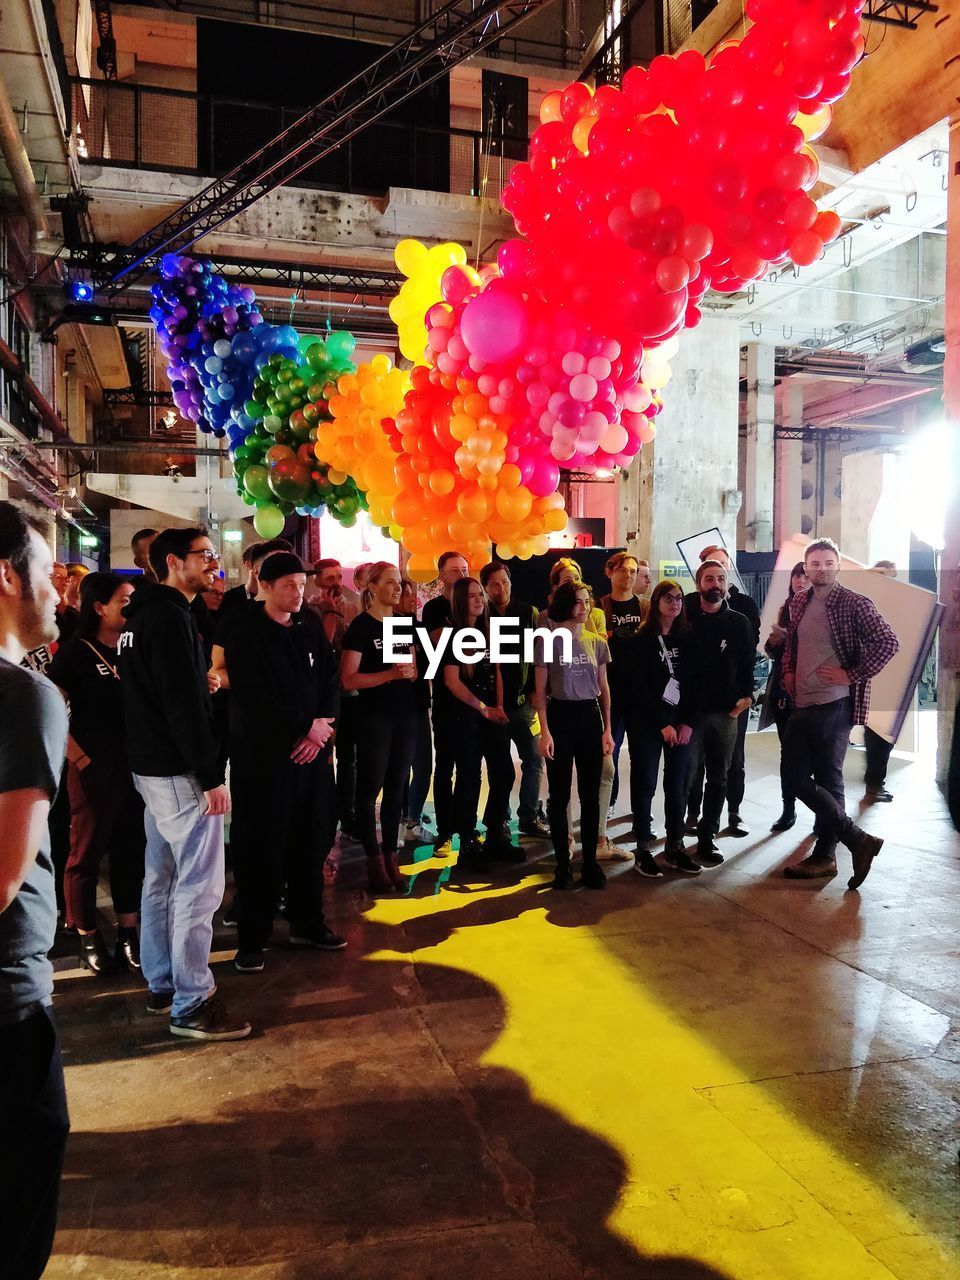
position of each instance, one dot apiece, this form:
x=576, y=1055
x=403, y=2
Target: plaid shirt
x=864, y=641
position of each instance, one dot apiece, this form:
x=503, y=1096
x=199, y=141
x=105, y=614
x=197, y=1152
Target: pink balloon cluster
x=573, y=397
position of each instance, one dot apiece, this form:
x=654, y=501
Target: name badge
x=671, y=692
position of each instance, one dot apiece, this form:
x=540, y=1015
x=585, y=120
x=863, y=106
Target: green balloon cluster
x=276, y=467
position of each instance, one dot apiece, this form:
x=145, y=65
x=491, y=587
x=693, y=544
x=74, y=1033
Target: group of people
x=163, y=686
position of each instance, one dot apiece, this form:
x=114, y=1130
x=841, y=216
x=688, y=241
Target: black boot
x=787, y=819
x=127, y=952
x=94, y=955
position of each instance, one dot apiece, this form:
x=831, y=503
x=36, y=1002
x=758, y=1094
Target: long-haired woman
x=482, y=729
x=573, y=702
x=106, y=813
x=388, y=719
x=661, y=716
x=777, y=707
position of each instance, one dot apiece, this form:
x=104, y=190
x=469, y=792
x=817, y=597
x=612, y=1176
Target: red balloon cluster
x=690, y=176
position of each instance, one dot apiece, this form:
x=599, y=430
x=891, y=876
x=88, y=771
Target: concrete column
x=758, y=481
x=788, y=462
x=949, y=652
x=686, y=480
x=830, y=492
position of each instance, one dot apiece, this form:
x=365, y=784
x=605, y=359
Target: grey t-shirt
x=33, y=741
x=577, y=680
x=815, y=649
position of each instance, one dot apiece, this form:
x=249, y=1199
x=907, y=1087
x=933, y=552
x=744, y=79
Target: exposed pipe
x=21, y=171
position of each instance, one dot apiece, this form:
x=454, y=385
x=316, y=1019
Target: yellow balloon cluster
x=423, y=268
x=354, y=441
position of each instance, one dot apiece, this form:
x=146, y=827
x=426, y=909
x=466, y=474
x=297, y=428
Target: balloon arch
x=692, y=175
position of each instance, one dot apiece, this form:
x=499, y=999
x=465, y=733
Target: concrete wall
x=872, y=521
x=677, y=486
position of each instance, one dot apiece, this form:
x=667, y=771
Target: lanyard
x=666, y=656
x=100, y=658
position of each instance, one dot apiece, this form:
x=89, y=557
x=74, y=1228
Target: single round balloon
x=269, y=521
x=494, y=325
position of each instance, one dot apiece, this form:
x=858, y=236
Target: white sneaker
x=607, y=851
x=416, y=833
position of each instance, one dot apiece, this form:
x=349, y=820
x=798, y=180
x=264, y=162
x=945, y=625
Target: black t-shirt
x=33, y=741
x=624, y=618
x=396, y=698
x=437, y=613
x=479, y=676
x=96, y=700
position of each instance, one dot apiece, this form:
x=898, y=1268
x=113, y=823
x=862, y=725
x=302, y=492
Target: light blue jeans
x=182, y=888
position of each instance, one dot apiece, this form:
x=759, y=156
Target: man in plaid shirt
x=837, y=644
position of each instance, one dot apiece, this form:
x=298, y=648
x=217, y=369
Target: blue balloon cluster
x=215, y=341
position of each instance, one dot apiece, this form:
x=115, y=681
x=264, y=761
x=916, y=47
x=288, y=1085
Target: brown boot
x=863, y=849
x=390, y=862
x=378, y=881
x=816, y=867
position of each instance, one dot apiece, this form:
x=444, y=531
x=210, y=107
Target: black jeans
x=531, y=766
x=284, y=822
x=736, y=772
x=619, y=727
x=346, y=749
x=782, y=719
x=712, y=750
x=444, y=761
x=106, y=820
x=878, y=757
x=384, y=755
x=577, y=732
x=479, y=742
x=33, y=1134
x=646, y=747
x=814, y=747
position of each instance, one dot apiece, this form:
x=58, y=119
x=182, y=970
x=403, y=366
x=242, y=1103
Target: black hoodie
x=281, y=679
x=166, y=701
x=727, y=652
x=649, y=674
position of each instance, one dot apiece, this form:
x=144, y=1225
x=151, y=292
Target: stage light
x=932, y=468
x=80, y=291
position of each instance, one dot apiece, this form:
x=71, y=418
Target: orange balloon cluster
x=354, y=440
x=455, y=489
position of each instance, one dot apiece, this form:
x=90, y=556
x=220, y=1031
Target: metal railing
x=139, y=127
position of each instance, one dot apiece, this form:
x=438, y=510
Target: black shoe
x=592, y=876
x=786, y=820
x=248, y=960
x=878, y=795
x=159, y=1001
x=231, y=915
x=127, y=951
x=563, y=880
x=473, y=853
x=678, y=859
x=736, y=826
x=539, y=829
x=210, y=1021
x=95, y=956
x=503, y=851
x=708, y=855
x=320, y=937
x=646, y=865
x=691, y=824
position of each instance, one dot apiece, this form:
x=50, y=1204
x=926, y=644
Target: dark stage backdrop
x=530, y=578
x=267, y=78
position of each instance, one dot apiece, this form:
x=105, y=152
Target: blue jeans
x=646, y=747
x=182, y=888
x=814, y=746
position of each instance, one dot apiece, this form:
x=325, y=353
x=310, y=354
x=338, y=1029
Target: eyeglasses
x=208, y=556
x=674, y=599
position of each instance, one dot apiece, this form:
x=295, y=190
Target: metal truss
x=139, y=396
x=107, y=51
x=459, y=30
x=828, y=435
x=109, y=260
x=898, y=13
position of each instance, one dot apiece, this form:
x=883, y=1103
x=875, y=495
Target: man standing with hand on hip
x=174, y=759
x=33, y=741
x=838, y=642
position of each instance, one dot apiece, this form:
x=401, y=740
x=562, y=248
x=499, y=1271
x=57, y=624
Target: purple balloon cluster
x=205, y=327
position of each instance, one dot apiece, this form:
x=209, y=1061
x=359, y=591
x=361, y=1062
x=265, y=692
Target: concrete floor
x=737, y=1076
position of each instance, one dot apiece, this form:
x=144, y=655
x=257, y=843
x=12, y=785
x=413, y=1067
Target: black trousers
x=736, y=772
x=878, y=757
x=346, y=749
x=444, y=761
x=283, y=825
x=33, y=1134
x=384, y=755
x=577, y=732
x=479, y=742
x=781, y=720
x=646, y=747
x=814, y=747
